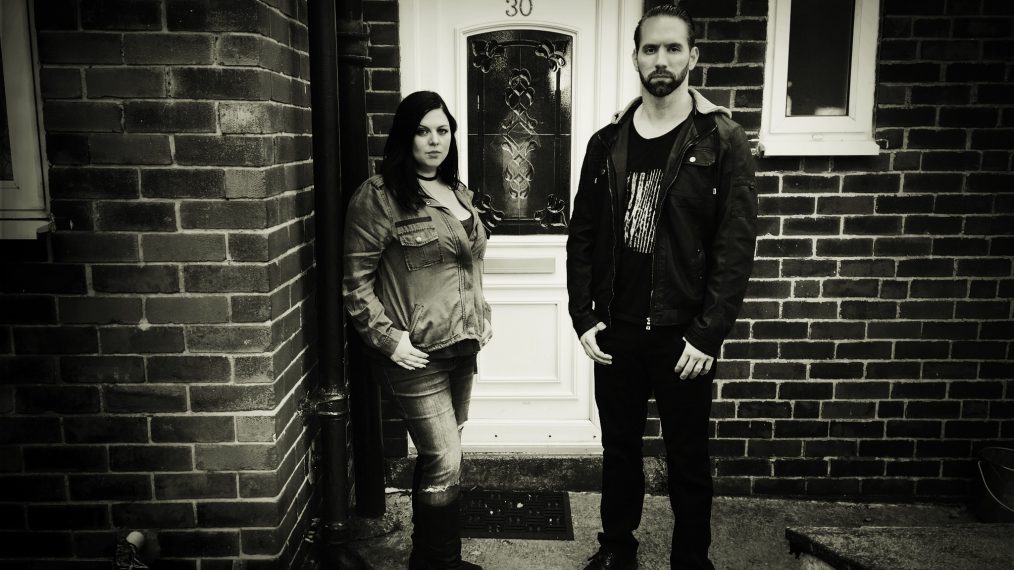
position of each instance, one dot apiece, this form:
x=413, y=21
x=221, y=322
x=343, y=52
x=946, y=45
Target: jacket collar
x=701, y=105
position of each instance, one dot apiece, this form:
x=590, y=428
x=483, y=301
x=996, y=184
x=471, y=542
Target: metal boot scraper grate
x=537, y=515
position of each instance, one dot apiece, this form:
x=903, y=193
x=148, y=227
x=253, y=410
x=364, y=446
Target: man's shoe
x=609, y=559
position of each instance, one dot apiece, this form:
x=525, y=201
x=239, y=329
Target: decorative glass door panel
x=519, y=127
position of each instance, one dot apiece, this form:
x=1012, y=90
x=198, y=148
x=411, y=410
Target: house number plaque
x=519, y=7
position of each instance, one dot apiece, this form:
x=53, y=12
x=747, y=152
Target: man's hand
x=408, y=356
x=591, y=345
x=692, y=362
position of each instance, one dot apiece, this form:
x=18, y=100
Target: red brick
x=110, y=487
x=170, y=48
x=93, y=183
x=60, y=459
x=82, y=116
x=139, y=399
x=239, y=457
x=195, y=486
x=220, y=83
x=130, y=149
x=187, y=309
x=236, y=338
x=169, y=117
x=121, y=14
x=123, y=82
x=150, y=458
x=188, y=369
x=246, y=214
x=55, y=340
x=227, y=279
x=136, y=216
x=193, y=544
x=100, y=310
x=132, y=340
x=153, y=515
x=192, y=429
x=68, y=517
x=214, y=150
x=94, y=247
x=227, y=398
x=102, y=369
x=184, y=247
x=80, y=47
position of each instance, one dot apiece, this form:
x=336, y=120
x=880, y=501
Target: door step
x=511, y=471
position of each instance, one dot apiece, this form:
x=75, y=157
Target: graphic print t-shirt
x=646, y=159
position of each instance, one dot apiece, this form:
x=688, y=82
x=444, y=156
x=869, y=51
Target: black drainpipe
x=331, y=404
x=364, y=395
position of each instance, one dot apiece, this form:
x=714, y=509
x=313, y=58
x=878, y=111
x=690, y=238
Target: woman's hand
x=408, y=356
x=487, y=333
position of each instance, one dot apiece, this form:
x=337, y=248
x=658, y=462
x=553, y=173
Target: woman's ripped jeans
x=433, y=401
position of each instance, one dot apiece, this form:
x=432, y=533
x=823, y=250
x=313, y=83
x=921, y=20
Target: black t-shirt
x=646, y=160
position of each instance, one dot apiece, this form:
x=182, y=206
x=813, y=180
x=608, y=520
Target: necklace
x=426, y=178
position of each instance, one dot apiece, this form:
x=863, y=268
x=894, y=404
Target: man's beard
x=664, y=88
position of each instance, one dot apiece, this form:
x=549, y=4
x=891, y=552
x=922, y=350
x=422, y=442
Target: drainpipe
x=330, y=403
x=364, y=395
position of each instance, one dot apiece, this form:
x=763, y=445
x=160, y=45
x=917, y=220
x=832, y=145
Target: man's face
x=664, y=59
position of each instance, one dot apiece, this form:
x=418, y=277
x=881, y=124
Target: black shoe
x=609, y=559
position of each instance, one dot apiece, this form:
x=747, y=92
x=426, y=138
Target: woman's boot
x=436, y=538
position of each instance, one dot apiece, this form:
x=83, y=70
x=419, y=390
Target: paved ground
x=749, y=533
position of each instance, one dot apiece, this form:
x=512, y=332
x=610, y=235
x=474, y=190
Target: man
x=658, y=258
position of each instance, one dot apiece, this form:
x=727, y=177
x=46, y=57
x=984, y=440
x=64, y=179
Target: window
x=519, y=86
x=23, y=205
x=819, y=78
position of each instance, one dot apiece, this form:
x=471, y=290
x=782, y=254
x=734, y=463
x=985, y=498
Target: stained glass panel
x=519, y=126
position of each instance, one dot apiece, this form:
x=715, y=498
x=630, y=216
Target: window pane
x=519, y=128
x=820, y=57
x=6, y=168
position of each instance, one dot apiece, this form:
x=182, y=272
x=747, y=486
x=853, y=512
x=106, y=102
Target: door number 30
x=523, y=7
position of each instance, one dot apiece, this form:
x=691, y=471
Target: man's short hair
x=673, y=11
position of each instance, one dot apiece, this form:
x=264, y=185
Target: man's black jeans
x=643, y=363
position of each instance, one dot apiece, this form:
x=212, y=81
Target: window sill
x=23, y=228
x=810, y=147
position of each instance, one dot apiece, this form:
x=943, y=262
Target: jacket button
x=418, y=239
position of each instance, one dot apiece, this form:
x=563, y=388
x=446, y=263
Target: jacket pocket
x=421, y=245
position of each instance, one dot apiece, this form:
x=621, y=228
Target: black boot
x=436, y=538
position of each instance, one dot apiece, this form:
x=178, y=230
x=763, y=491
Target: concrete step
x=981, y=546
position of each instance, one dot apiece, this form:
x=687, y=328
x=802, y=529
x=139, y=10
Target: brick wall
x=873, y=356
x=153, y=349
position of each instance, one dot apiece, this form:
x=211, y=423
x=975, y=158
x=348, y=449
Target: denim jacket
x=414, y=271
x=704, y=245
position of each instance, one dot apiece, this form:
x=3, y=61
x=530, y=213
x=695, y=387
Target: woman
x=413, y=286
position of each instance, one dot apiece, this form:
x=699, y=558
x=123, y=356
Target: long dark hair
x=399, y=166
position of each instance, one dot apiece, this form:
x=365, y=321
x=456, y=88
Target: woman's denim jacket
x=414, y=271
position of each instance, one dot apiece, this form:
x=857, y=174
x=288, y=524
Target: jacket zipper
x=658, y=214
x=612, y=220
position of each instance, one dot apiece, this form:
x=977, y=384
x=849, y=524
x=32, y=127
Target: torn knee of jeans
x=438, y=495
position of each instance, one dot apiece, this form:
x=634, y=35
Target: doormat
x=535, y=515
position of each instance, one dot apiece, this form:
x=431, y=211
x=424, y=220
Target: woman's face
x=432, y=141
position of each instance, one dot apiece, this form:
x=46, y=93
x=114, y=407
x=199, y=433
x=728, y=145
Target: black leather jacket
x=706, y=232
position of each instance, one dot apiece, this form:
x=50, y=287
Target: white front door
x=529, y=82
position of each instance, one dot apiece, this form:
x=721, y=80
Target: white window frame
x=24, y=203
x=850, y=134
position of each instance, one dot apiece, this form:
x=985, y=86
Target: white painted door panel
x=534, y=387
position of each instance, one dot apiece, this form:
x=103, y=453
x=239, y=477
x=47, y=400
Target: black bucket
x=993, y=490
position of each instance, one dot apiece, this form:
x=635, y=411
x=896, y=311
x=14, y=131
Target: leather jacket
x=414, y=271
x=704, y=246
